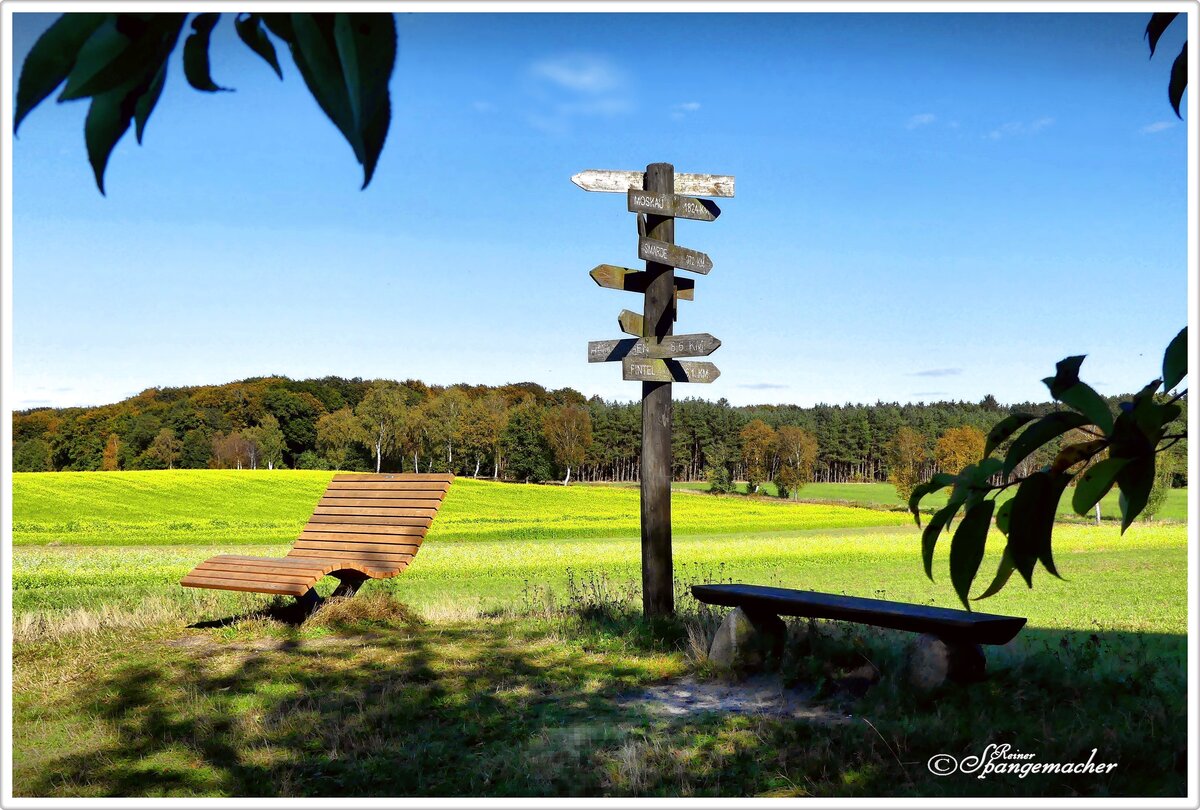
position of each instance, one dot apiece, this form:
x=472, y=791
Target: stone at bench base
x=933, y=661
x=745, y=640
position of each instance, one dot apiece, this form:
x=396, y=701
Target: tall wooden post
x=658, y=595
x=657, y=196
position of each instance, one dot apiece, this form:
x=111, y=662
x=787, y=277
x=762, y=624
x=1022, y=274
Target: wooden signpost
x=668, y=371
x=657, y=196
x=701, y=345
x=656, y=250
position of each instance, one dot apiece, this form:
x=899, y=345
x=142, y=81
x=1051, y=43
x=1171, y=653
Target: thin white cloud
x=483, y=106
x=936, y=372
x=581, y=73
x=763, y=386
x=680, y=111
x=920, y=120
x=1157, y=126
x=569, y=86
x=1015, y=128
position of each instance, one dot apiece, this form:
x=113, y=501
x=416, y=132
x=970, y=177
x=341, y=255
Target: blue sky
x=930, y=206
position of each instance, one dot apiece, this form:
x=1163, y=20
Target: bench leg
x=348, y=586
x=309, y=601
x=933, y=661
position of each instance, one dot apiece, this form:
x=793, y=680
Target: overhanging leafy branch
x=1131, y=439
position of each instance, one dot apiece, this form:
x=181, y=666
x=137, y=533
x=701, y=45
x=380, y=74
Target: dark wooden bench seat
x=364, y=527
x=954, y=626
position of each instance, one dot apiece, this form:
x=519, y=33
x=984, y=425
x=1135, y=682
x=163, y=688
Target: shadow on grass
x=367, y=699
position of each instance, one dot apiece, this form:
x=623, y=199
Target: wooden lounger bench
x=364, y=527
x=961, y=631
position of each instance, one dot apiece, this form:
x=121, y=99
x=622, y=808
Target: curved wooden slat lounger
x=364, y=527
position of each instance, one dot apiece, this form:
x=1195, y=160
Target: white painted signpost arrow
x=648, y=370
x=630, y=280
x=672, y=205
x=704, y=185
x=652, y=250
x=669, y=346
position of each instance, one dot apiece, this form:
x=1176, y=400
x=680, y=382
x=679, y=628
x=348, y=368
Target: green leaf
x=1031, y=522
x=1003, y=572
x=315, y=54
x=1083, y=398
x=1072, y=454
x=1158, y=23
x=126, y=49
x=249, y=29
x=1003, y=514
x=195, y=53
x=1066, y=374
x=1004, y=429
x=938, y=481
x=1135, y=480
x=366, y=47
x=1095, y=483
x=1175, y=359
x=1178, y=81
x=147, y=101
x=929, y=537
x=1037, y=434
x=107, y=120
x=966, y=548
x=50, y=60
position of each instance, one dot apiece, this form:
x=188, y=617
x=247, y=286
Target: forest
x=516, y=432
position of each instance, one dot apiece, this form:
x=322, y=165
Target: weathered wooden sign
x=669, y=346
x=648, y=370
x=705, y=185
x=672, y=205
x=631, y=323
x=652, y=250
x=630, y=280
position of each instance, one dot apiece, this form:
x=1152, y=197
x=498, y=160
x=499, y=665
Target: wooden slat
x=359, y=539
x=340, y=556
x=378, y=495
x=258, y=576
x=427, y=509
x=447, y=477
x=363, y=528
x=272, y=560
x=285, y=573
x=240, y=585
x=382, y=523
x=383, y=565
x=391, y=486
x=432, y=501
x=338, y=542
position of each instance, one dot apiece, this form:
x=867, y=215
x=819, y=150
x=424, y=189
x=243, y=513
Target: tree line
x=516, y=432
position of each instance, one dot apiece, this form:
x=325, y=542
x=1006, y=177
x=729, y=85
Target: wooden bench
x=959, y=631
x=364, y=527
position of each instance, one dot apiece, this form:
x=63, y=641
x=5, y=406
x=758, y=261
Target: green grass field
x=494, y=664
x=884, y=495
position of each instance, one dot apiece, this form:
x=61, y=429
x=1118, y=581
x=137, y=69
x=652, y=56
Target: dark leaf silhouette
x=195, y=54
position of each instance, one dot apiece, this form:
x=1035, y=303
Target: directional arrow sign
x=652, y=250
x=701, y=345
x=630, y=280
x=704, y=185
x=631, y=323
x=672, y=205
x=668, y=370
